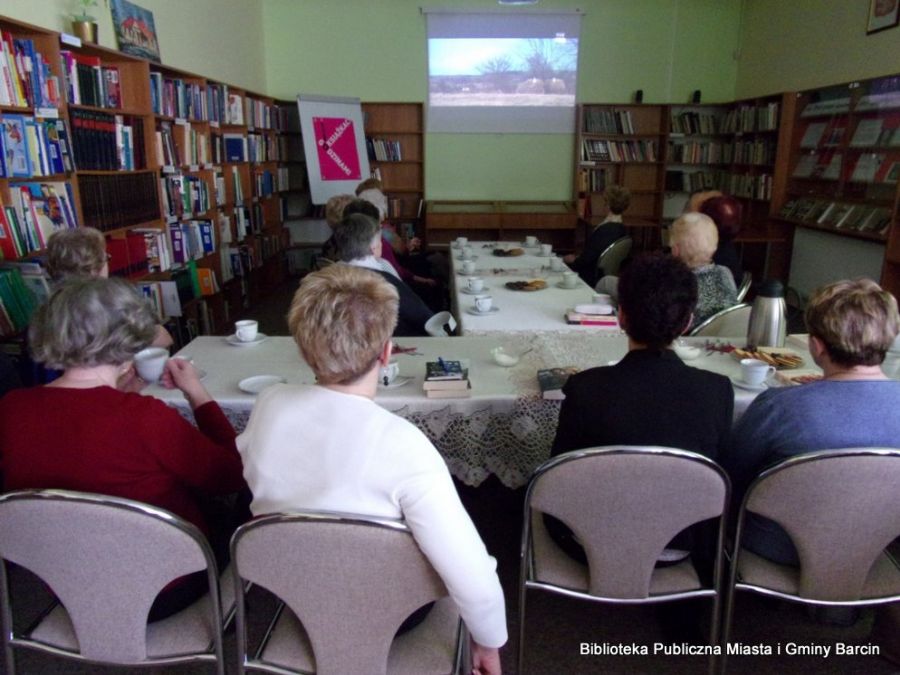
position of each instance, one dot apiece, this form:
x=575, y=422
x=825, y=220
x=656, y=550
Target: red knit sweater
x=115, y=443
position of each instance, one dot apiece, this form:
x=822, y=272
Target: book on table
x=444, y=370
x=610, y=321
x=447, y=379
x=552, y=380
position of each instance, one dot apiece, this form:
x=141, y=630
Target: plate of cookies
x=781, y=358
x=508, y=252
x=527, y=286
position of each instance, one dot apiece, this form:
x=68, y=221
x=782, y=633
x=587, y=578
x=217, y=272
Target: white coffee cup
x=530, y=241
x=246, y=331
x=754, y=371
x=601, y=299
x=387, y=374
x=556, y=264
x=150, y=363
x=546, y=249
x=467, y=252
x=483, y=303
x=569, y=279
x=468, y=266
x=462, y=241
x=475, y=284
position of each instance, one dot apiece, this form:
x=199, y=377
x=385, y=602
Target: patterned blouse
x=715, y=291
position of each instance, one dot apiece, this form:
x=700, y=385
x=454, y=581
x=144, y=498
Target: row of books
x=859, y=217
x=694, y=122
x=446, y=379
x=184, y=195
x=17, y=300
x=190, y=148
x=191, y=240
x=606, y=121
x=760, y=152
x=174, y=97
x=593, y=180
x=25, y=77
x=696, y=152
x=689, y=181
x=36, y=212
x=32, y=146
x=869, y=132
x=595, y=150
x=106, y=142
x=109, y=202
x=748, y=118
x=383, y=150
x=409, y=207
x=89, y=82
x=749, y=186
x=835, y=102
x=869, y=167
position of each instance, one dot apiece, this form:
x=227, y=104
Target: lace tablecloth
x=505, y=428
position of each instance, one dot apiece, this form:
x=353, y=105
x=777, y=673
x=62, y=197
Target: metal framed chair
x=624, y=503
x=361, y=578
x=435, y=326
x=744, y=288
x=840, y=509
x=730, y=322
x=614, y=255
x=106, y=559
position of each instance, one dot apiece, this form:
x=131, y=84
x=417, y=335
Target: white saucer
x=255, y=384
x=468, y=292
x=399, y=381
x=560, y=284
x=472, y=259
x=475, y=312
x=234, y=342
x=740, y=384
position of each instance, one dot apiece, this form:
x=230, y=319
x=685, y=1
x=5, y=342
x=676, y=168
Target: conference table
x=540, y=311
x=506, y=428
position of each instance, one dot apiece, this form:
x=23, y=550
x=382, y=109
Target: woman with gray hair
x=81, y=433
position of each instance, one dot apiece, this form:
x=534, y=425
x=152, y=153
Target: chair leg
x=727, y=615
x=520, y=662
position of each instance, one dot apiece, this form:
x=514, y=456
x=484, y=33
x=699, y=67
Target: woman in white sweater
x=331, y=447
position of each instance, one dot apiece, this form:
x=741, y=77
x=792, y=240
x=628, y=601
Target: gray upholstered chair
x=614, y=255
x=348, y=583
x=106, y=559
x=624, y=503
x=730, y=322
x=841, y=509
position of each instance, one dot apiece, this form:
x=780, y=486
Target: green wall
x=219, y=39
x=803, y=44
x=376, y=51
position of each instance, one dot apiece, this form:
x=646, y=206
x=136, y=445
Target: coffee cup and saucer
x=389, y=376
x=246, y=334
x=484, y=304
x=569, y=281
x=754, y=374
x=474, y=286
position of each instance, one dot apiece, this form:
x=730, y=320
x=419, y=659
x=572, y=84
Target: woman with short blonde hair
x=331, y=447
x=77, y=252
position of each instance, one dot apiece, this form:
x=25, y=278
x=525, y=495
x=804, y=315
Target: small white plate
x=468, y=292
x=399, y=381
x=561, y=285
x=594, y=310
x=234, y=342
x=475, y=312
x=255, y=384
x=740, y=384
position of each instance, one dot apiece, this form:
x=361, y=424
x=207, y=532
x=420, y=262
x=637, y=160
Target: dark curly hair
x=658, y=294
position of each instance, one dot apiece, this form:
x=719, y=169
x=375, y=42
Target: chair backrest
x=744, y=288
x=730, y=322
x=361, y=578
x=841, y=510
x=106, y=559
x=435, y=325
x=625, y=503
x=614, y=255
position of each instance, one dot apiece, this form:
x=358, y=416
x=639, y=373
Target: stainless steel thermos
x=768, y=317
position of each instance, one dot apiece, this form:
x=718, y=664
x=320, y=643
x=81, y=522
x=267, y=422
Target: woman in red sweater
x=81, y=433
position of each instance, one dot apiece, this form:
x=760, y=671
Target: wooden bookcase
x=241, y=198
x=396, y=145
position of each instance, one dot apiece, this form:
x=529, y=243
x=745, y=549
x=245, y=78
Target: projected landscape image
x=502, y=72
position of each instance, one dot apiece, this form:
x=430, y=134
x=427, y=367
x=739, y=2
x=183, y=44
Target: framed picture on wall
x=135, y=30
x=883, y=14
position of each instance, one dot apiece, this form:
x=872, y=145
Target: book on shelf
x=605, y=121
x=891, y=173
x=804, y=206
x=235, y=146
x=817, y=209
x=26, y=79
x=17, y=302
x=867, y=133
x=837, y=214
x=813, y=135
x=112, y=201
x=876, y=220
x=849, y=219
x=806, y=164
x=867, y=166
x=824, y=217
x=828, y=103
x=552, y=380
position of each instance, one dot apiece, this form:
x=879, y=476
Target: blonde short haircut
x=369, y=184
x=856, y=320
x=334, y=209
x=91, y=322
x=341, y=317
x=78, y=252
x=618, y=199
x=697, y=238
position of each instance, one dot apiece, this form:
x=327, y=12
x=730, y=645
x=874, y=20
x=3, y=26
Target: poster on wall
x=334, y=144
x=883, y=14
x=135, y=30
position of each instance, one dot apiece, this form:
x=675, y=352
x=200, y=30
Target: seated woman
x=851, y=325
x=334, y=214
x=694, y=238
x=330, y=447
x=81, y=433
x=617, y=200
x=726, y=213
x=650, y=397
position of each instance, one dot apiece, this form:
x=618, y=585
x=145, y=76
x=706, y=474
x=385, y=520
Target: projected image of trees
x=502, y=72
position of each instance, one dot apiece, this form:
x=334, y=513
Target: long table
x=518, y=311
x=506, y=428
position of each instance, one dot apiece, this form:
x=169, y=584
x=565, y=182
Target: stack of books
x=446, y=379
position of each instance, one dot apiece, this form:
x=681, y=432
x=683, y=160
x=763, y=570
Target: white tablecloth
x=528, y=312
x=505, y=428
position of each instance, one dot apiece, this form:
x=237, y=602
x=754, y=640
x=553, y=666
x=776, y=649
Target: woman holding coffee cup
x=81, y=433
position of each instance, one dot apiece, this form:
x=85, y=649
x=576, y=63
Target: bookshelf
x=396, y=148
x=140, y=151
